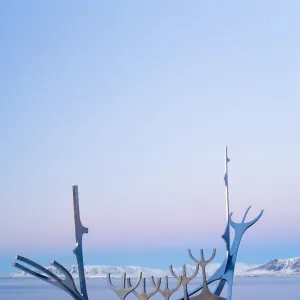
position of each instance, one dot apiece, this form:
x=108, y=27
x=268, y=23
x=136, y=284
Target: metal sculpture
x=143, y=295
x=166, y=292
x=67, y=284
x=123, y=292
x=226, y=271
x=224, y=274
x=205, y=294
x=185, y=279
x=80, y=230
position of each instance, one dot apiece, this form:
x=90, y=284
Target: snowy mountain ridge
x=279, y=267
x=275, y=267
x=98, y=271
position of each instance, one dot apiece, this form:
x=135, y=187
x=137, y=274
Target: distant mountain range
x=275, y=267
x=283, y=267
x=131, y=271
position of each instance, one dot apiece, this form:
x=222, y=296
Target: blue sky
x=134, y=102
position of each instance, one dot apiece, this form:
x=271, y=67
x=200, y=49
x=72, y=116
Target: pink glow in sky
x=134, y=103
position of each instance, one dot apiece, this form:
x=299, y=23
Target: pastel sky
x=134, y=101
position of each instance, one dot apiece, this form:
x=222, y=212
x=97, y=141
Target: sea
x=245, y=288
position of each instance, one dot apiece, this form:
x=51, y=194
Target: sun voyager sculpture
x=223, y=275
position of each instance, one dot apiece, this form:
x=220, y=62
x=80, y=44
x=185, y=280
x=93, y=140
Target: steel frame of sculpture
x=226, y=271
x=123, y=292
x=205, y=294
x=224, y=274
x=67, y=284
x=166, y=292
x=185, y=279
x=144, y=295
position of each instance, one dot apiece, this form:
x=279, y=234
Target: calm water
x=258, y=288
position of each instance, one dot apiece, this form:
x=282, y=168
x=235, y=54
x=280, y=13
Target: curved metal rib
x=67, y=284
x=110, y=284
x=206, y=262
x=173, y=273
x=226, y=271
x=158, y=283
x=166, y=292
x=192, y=257
x=33, y=273
x=185, y=278
x=134, y=292
x=244, y=224
x=206, y=293
x=202, y=260
x=246, y=213
x=37, y=266
x=123, y=292
x=143, y=295
x=68, y=280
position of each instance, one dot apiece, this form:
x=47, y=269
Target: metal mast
x=226, y=235
x=80, y=230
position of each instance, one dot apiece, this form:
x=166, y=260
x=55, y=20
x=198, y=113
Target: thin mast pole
x=226, y=234
x=80, y=230
x=227, y=160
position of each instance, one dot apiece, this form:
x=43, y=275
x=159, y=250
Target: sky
x=133, y=101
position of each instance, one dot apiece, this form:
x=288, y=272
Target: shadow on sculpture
x=224, y=274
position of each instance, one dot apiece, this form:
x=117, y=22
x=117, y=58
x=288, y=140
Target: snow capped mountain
x=211, y=268
x=132, y=271
x=289, y=266
x=102, y=271
x=275, y=267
